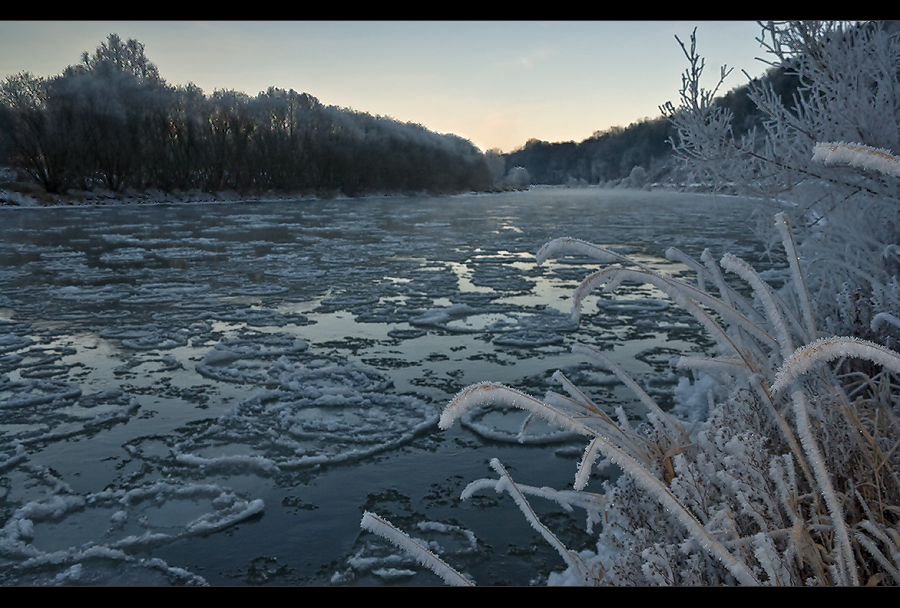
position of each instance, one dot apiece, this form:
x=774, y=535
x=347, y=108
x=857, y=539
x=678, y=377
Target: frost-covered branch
x=506, y=484
x=845, y=562
x=380, y=526
x=857, y=155
x=805, y=359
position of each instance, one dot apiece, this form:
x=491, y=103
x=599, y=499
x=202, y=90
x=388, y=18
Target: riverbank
x=17, y=193
x=25, y=195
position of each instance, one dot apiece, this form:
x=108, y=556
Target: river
x=215, y=393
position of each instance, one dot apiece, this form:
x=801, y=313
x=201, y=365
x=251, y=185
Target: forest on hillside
x=113, y=122
x=640, y=152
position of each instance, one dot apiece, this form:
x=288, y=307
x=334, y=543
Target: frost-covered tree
x=111, y=121
x=496, y=165
x=637, y=178
x=41, y=141
x=517, y=177
x=848, y=217
x=114, y=55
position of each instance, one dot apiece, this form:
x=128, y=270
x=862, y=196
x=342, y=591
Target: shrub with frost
x=517, y=178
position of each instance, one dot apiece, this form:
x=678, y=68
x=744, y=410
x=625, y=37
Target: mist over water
x=215, y=393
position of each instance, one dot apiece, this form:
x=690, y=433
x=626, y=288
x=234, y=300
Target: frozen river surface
x=215, y=393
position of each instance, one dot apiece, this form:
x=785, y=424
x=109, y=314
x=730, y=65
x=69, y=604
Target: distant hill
x=612, y=155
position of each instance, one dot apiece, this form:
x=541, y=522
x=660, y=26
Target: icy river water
x=215, y=393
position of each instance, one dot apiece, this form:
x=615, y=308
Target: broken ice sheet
x=325, y=411
x=60, y=526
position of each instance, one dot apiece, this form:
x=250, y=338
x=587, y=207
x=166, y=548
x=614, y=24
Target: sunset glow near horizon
x=495, y=83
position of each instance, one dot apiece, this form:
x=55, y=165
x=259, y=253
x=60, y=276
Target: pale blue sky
x=496, y=83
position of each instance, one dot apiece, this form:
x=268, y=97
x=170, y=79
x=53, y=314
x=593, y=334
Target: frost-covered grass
x=791, y=479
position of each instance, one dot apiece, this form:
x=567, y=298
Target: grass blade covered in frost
x=380, y=526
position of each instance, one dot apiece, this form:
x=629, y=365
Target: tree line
x=112, y=122
x=612, y=155
x=605, y=156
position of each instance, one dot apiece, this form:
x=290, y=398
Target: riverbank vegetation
x=789, y=474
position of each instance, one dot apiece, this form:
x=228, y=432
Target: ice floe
x=324, y=411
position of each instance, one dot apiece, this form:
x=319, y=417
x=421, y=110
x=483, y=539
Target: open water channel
x=215, y=393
